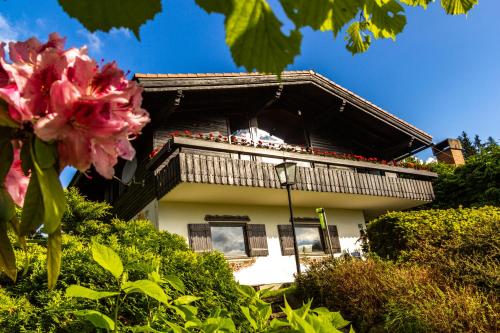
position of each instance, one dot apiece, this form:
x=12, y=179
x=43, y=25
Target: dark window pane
x=309, y=239
x=229, y=240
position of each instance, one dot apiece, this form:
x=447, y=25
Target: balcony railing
x=195, y=161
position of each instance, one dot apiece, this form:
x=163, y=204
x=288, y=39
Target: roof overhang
x=294, y=83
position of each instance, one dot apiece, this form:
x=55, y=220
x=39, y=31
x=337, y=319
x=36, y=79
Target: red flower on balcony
x=298, y=149
x=154, y=152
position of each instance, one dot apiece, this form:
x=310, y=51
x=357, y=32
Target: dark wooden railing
x=204, y=167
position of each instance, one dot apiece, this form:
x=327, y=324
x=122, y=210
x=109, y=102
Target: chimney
x=449, y=151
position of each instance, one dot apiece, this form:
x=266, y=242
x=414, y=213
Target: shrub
x=428, y=308
x=461, y=245
x=471, y=185
x=142, y=248
x=79, y=210
x=379, y=296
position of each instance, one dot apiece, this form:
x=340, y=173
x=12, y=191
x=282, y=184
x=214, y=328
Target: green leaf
x=218, y=324
x=249, y=317
x=155, y=277
x=421, y=3
x=5, y=119
x=303, y=325
x=105, y=15
x=246, y=291
x=46, y=153
x=26, y=163
x=7, y=256
x=306, y=12
x=187, y=313
x=277, y=324
x=458, y=7
x=341, y=13
x=265, y=310
x=386, y=18
x=79, y=291
x=334, y=317
x=6, y=158
x=99, y=320
x=338, y=321
x=254, y=36
x=176, y=328
x=53, y=257
x=357, y=39
x=220, y=6
x=146, y=287
x=175, y=282
x=33, y=213
x=146, y=329
x=45, y=201
x=186, y=299
x=7, y=206
x=107, y=259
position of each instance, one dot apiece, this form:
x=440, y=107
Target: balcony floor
x=256, y=196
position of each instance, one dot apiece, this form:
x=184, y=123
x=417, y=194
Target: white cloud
x=94, y=43
x=9, y=31
x=121, y=32
x=431, y=159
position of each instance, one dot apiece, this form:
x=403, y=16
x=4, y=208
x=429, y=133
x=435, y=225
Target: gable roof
x=204, y=81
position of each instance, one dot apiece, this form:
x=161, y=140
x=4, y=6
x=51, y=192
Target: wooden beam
x=170, y=107
x=262, y=105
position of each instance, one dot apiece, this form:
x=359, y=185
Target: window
x=257, y=135
x=309, y=239
x=229, y=240
x=233, y=239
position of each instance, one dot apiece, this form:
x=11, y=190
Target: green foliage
x=476, y=183
x=429, y=308
x=461, y=245
x=128, y=276
x=382, y=296
x=467, y=147
x=44, y=205
x=257, y=312
x=251, y=25
x=7, y=211
x=253, y=31
x=144, y=252
x=80, y=210
x=304, y=319
x=105, y=15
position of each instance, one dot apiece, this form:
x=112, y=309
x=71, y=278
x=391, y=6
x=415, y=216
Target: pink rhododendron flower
x=16, y=182
x=91, y=113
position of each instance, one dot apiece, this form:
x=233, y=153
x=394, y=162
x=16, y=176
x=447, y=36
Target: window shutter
x=334, y=237
x=286, y=239
x=200, y=237
x=257, y=240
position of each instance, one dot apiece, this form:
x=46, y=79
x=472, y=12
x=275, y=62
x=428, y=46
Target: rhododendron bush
x=58, y=108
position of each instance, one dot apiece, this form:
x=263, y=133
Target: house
x=205, y=167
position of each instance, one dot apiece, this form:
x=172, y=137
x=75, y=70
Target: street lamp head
x=286, y=173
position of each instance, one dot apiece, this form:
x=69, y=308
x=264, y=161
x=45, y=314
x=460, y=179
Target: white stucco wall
x=275, y=268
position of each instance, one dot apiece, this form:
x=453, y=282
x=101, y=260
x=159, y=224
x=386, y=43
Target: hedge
x=460, y=244
x=381, y=296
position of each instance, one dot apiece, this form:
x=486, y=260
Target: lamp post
x=286, y=174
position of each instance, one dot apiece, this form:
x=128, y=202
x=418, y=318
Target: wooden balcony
x=196, y=161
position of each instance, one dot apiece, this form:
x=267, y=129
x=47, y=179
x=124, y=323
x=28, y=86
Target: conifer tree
x=490, y=142
x=478, y=145
x=467, y=146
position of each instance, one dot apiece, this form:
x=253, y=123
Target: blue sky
x=442, y=74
